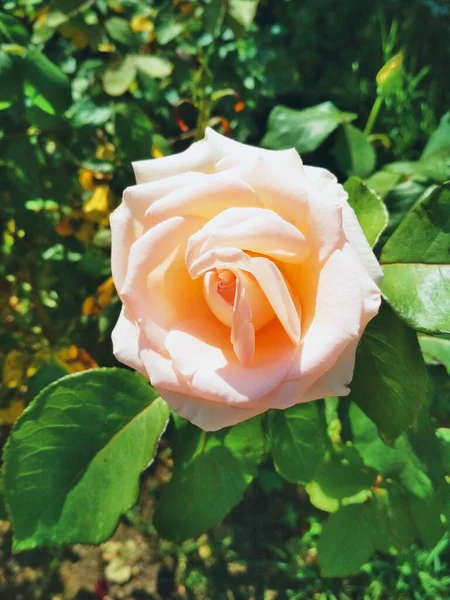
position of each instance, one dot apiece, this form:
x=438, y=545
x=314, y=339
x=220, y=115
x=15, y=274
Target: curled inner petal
x=237, y=300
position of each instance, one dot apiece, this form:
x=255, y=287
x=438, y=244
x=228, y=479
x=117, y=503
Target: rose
x=245, y=278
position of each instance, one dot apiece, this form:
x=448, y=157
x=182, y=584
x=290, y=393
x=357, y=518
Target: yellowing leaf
x=105, y=151
x=79, y=36
x=9, y=415
x=157, y=153
x=86, y=179
x=97, y=207
x=116, y=6
x=105, y=292
x=85, y=233
x=105, y=47
x=75, y=359
x=93, y=305
x=64, y=228
x=141, y=24
x=13, y=368
x=89, y=306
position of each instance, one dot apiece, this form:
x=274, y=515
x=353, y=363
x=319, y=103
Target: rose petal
x=158, y=290
x=206, y=198
x=127, y=221
x=279, y=181
x=338, y=307
x=203, y=354
x=209, y=416
x=125, y=343
x=196, y=158
x=253, y=229
x=266, y=274
x=242, y=329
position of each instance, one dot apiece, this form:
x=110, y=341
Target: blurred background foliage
x=86, y=87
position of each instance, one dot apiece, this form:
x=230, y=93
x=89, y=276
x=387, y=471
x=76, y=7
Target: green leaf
x=436, y=165
x=12, y=31
x=299, y=436
x=354, y=153
x=10, y=83
x=243, y=11
x=369, y=208
x=416, y=265
x=167, y=26
x=440, y=140
x=120, y=31
x=443, y=436
x=118, y=78
x=426, y=515
x=90, y=111
x=399, y=200
x=435, y=350
x=346, y=541
x=341, y=478
x=45, y=84
x=390, y=391
x=382, y=182
x=134, y=131
x=399, y=462
x=304, y=130
x=3, y=511
x=211, y=473
x=392, y=525
x=154, y=66
x=72, y=463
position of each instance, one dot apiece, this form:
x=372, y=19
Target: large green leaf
x=390, y=391
x=369, y=208
x=73, y=460
x=436, y=350
x=299, y=436
x=416, y=264
x=354, y=153
x=45, y=84
x=118, y=77
x=211, y=473
x=304, y=130
x=346, y=541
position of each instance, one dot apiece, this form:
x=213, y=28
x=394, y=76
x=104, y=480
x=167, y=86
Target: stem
x=373, y=115
x=202, y=447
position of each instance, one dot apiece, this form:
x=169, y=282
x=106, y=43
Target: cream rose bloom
x=245, y=278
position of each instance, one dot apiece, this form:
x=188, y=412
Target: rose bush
x=245, y=278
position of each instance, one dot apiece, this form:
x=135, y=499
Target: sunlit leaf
x=73, y=461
